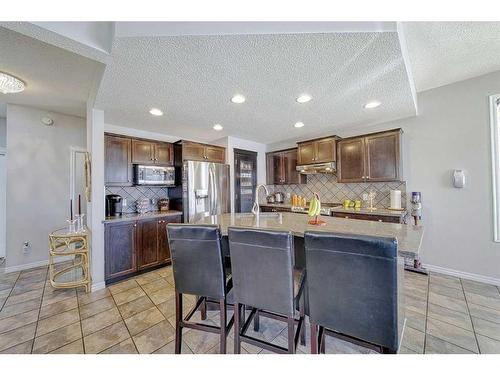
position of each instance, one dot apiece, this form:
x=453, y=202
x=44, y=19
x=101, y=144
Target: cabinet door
x=147, y=243
x=351, y=160
x=290, y=168
x=215, y=154
x=142, y=152
x=325, y=150
x=277, y=168
x=118, y=167
x=383, y=157
x=163, y=248
x=164, y=153
x=193, y=151
x=306, y=153
x=120, y=249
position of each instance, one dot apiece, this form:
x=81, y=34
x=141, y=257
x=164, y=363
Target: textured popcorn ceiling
x=192, y=78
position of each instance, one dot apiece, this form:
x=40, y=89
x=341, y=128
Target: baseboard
x=463, y=275
x=98, y=286
x=27, y=266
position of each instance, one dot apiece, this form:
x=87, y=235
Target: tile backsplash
x=331, y=191
x=133, y=193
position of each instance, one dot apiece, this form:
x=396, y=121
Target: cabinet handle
x=135, y=225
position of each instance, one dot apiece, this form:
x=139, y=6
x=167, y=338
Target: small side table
x=76, y=245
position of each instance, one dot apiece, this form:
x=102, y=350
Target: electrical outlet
x=26, y=247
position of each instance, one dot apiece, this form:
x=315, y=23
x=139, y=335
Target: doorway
x=245, y=179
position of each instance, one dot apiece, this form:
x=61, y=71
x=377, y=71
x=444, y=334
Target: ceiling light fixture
x=303, y=99
x=299, y=124
x=218, y=127
x=156, y=112
x=371, y=105
x=238, y=99
x=10, y=84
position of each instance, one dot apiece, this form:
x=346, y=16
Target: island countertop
x=409, y=236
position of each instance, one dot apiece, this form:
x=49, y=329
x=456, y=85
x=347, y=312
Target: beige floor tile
x=411, y=292
x=147, y=278
x=167, y=308
x=447, y=291
x=157, y=284
x=101, y=320
x=19, y=308
x=335, y=345
x=143, y=320
x=23, y=348
x=448, y=302
x=201, y=342
x=488, y=345
x=20, y=288
x=170, y=349
x=449, y=281
x=413, y=340
x=55, y=322
x=86, y=298
x=453, y=334
x=434, y=345
x=404, y=350
x=2, y=301
x=449, y=316
x=17, y=321
x=128, y=295
x=106, y=338
x=486, y=328
x=76, y=347
x=136, y=306
x=5, y=293
x=96, y=307
x=124, y=347
x=122, y=286
x=58, y=307
x=17, y=336
x=415, y=320
x=154, y=337
x=481, y=288
x=417, y=305
x=58, y=295
x=492, y=303
x=57, y=339
x=485, y=313
x=161, y=295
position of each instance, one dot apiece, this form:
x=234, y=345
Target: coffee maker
x=113, y=205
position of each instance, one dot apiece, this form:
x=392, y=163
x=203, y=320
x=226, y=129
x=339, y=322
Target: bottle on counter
x=304, y=202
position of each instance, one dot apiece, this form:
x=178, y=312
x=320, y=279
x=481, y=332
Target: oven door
x=153, y=175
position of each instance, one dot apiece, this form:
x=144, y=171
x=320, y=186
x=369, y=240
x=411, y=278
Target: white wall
x=38, y=178
x=3, y=132
x=3, y=184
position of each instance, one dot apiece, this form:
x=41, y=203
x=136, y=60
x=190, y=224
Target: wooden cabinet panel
x=215, y=154
x=290, y=168
x=306, y=153
x=164, y=153
x=147, y=243
x=193, y=151
x=351, y=160
x=117, y=165
x=281, y=168
x=325, y=150
x=382, y=157
x=120, y=249
x=142, y=152
x=380, y=218
x=163, y=248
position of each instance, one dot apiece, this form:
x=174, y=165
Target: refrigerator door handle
x=211, y=191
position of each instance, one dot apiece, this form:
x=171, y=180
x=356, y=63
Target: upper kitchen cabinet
x=322, y=150
x=281, y=168
x=118, y=167
x=149, y=152
x=372, y=157
x=202, y=152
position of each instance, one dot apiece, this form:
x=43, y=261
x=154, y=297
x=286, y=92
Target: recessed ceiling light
x=238, y=99
x=156, y=112
x=371, y=105
x=304, y=98
x=299, y=124
x=218, y=127
x=10, y=84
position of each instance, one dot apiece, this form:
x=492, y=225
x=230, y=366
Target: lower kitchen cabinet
x=147, y=243
x=163, y=248
x=381, y=218
x=119, y=249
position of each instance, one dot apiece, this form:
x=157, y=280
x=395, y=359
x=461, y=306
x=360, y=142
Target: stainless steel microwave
x=154, y=175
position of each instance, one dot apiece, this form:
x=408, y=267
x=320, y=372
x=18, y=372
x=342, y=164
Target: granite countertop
x=409, y=236
x=136, y=216
x=340, y=209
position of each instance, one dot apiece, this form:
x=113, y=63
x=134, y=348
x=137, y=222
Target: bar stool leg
x=314, y=338
x=178, y=319
x=223, y=318
x=322, y=339
x=203, y=309
x=237, y=316
x=303, y=328
x=291, y=335
x=256, y=321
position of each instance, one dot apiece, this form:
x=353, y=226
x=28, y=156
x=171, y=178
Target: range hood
x=317, y=168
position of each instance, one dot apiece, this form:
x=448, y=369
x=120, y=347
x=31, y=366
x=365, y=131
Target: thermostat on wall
x=458, y=178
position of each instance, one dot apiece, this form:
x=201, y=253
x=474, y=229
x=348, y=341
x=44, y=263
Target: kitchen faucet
x=256, y=207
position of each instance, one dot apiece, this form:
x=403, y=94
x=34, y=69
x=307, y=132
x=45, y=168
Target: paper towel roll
x=396, y=199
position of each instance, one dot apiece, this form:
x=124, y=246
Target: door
x=120, y=245
x=245, y=179
x=164, y=154
x=142, y=152
x=325, y=150
x=117, y=167
x=290, y=168
x=382, y=157
x=218, y=188
x=215, y=154
x=197, y=186
x=351, y=160
x=307, y=153
x=163, y=247
x=277, y=168
x=147, y=243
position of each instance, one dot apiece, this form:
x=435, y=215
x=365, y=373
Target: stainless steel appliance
x=205, y=189
x=317, y=168
x=279, y=197
x=114, y=205
x=154, y=175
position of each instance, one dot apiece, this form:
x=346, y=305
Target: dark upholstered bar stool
x=198, y=265
x=263, y=278
x=352, y=290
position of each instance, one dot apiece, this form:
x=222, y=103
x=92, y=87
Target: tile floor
x=444, y=315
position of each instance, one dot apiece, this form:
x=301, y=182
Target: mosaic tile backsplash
x=133, y=193
x=331, y=191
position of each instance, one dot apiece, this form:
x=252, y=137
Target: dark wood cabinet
x=322, y=150
x=120, y=249
x=281, y=168
x=118, y=167
x=164, y=153
x=148, y=152
x=380, y=218
x=163, y=248
x=370, y=158
x=202, y=152
x=147, y=243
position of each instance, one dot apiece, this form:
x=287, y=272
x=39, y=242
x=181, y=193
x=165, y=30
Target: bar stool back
x=352, y=289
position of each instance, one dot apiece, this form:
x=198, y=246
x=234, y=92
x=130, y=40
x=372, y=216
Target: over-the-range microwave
x=154, y=175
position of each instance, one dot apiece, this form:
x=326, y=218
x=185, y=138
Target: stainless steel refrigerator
x=205, y=189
